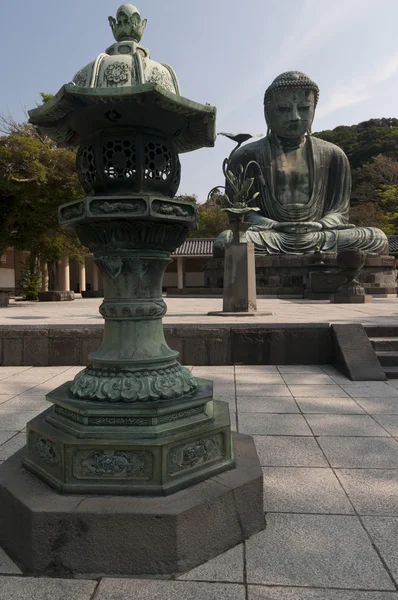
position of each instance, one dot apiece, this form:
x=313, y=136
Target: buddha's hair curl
x=291, y=80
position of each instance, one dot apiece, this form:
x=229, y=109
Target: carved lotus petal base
x=106, y=385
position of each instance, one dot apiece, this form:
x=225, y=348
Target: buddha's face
x=290, y=113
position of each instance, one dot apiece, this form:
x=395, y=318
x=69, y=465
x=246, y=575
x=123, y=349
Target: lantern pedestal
x=125, y=535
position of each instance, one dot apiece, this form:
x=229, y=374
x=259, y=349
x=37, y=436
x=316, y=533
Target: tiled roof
x=204, y=246
x=196, y=247
x=393, y=243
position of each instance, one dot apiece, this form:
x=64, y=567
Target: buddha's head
x=128, y=24
x=289, y=104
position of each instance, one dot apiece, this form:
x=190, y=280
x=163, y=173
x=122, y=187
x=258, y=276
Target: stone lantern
x=135, y=422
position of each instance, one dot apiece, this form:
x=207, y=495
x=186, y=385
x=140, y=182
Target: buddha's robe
x=323, y=182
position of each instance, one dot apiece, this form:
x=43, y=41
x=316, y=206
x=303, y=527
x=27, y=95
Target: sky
x=225, y=52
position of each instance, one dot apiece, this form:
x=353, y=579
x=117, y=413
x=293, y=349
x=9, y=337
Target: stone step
x=384, y=343
x=391, y=372
x=388, y=359
x=384, y=331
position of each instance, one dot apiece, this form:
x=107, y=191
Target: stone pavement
x=192, y=311
x=329, y=450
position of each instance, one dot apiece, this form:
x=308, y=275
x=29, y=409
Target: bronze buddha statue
x=305, y=182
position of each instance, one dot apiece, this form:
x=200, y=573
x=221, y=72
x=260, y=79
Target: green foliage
x=30, y=280
x=211, y=221
x=372, y=149
x=36, y=178
x=365, y=141
x=46, y=97
x=370, y=214
x=190, y=198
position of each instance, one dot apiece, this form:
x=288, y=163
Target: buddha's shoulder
x=328, y=147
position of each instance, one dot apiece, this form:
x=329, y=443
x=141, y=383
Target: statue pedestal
x=358, y=299
x=299, y=276
x=239, y=297
x=240, y=279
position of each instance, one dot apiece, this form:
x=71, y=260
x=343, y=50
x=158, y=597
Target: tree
x=366, y=140
x=35, y=178
x=372, y=149
x=370, y=214
x=190, y=198
x=211, y=221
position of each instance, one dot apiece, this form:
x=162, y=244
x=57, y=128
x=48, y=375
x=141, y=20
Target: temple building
x=187, y=273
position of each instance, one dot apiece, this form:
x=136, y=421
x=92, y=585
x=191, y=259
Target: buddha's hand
x=342, y=226
x=299, y=227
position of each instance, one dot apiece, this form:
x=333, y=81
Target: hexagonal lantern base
x=48, y=532
x=141, y=448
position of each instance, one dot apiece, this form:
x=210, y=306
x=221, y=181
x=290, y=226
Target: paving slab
x=270, y=424
x=36, y=588
x=35, y=376
x=289, y=451
x=9, y=371
x=25, y=402
x=372, y=491
x=312, y=391
x=307, y=379
x=315, y=551
x=300, y=369
x=185, y=311
x=262, y=390
x=6, y=435
x=384, y=533
x=345, y=406
x=284, y=404
x=5, y=398
x=258, y=378
x=281, y=593
x=14, y=388
x=377, y=406
x=351, y=425
x=370, y=390
x=256, y=369
x=360, y=453
x=227, y=567
x=15, y=421
x=304, y=490
x=389, y=422
x=138, y=589
x=12, y=446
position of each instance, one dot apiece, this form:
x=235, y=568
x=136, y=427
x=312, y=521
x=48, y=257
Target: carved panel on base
x=194, y=454
x=136, y=465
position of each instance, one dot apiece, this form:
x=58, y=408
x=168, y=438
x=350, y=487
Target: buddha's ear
x=266, y=117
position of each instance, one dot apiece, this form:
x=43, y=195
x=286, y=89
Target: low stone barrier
x=198, y=345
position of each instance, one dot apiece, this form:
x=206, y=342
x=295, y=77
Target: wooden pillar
x=82, y=276
x=64, y=273
x=95, y=278
x=44, y=276
x=180, y=272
